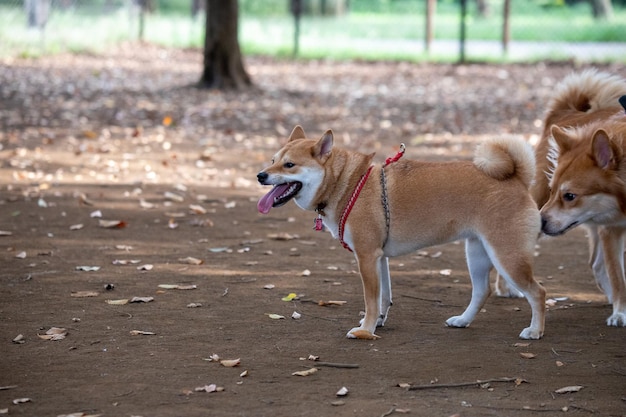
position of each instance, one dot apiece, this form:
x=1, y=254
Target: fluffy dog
x=581, y=174
x=379, y=211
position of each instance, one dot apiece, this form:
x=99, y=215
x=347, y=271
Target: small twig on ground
x=225, y=293
x=337, y=365
x=465, y=384
x=422, y=299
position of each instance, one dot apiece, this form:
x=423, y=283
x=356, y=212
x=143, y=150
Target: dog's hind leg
x=516, y=267
x=479, y=266
x=613, y=247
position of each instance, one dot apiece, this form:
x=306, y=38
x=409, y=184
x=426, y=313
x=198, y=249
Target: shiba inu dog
x=581, y=174
x=379, y=211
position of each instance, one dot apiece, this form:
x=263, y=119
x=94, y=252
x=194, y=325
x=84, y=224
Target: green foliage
x=266, y=27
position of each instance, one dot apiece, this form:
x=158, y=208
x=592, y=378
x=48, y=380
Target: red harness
x=355, y=196
x=348, y=209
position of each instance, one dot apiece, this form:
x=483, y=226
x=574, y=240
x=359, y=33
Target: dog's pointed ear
x=297, y=133
x=324, y=146
x=561, y=138
x=604, y=153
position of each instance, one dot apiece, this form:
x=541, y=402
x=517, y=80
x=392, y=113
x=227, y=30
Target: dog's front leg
x=611, y=239
x=597, y=261
x=369, y=270
x=385, y=290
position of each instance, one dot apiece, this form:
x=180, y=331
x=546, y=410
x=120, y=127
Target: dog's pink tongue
x=267, y=201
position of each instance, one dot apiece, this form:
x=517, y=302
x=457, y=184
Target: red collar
x=348, y=208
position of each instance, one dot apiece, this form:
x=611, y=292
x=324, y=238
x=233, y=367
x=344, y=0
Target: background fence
x=359, y=29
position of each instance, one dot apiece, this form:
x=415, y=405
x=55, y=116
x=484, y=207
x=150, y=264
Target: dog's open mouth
x=278, y=196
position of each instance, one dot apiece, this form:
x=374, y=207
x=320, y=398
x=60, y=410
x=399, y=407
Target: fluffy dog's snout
x=262, y=177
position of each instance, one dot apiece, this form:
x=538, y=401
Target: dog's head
x=297, y=171
x=586, y=179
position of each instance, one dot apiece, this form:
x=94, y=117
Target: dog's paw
x=457, y=321
x=379, y=323
x=617, y=320
x=360, y=333
x=530, y=333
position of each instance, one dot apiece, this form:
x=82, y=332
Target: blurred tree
x=223, y=62
x=602, y=9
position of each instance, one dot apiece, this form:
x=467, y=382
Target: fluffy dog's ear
x=604, y=153
x=561, y=138
x=297, y=133
x=324, y=146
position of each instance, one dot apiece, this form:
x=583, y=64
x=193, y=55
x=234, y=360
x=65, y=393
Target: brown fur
x=486, y=202
x=585, y=132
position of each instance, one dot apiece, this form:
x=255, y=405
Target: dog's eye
x=569, y=197
x=289, y=165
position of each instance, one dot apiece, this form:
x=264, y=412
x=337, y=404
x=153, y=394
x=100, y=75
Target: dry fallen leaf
x=141, y=299
x=173, y=196
x=290, y=297
x=5, y=233
x=126, y=261
x=146, y=267
x=54, y=333
x=275, y=316
x=331, y=303
x=83, y=294
x=76, y=226
x=307, y=372
x=117, y=302
x=343, y=391
x=112, y=224
x=209, y=388
x=21, y=255
x=527, y=355
x=21, y=400
x=191, y=261
x=87, y=268
x=141, y=332
x=178, y=286
x=145, y=204
x=569, y=389
x=282, y=236
x=197, y=209
x=230, y=363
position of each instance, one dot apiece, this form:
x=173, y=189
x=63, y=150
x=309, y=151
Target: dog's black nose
x=543, y=223
x=262, y=177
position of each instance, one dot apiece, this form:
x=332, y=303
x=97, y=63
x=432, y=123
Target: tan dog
x=582, y=152
x=382, y=211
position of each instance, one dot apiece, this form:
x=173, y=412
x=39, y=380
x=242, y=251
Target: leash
x=355, y=195
x=383, y=185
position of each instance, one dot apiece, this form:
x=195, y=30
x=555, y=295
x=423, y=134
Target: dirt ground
x=120, y=180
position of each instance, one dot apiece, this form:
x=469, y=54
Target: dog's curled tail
x=588, y=91
x=504, y=158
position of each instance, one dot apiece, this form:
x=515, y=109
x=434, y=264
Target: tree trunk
x=223, y=63
x=602, y=9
